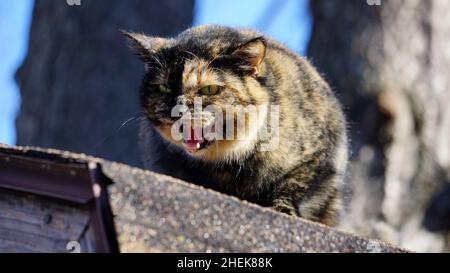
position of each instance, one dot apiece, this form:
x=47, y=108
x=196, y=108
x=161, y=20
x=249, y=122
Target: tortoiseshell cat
x=226, y=67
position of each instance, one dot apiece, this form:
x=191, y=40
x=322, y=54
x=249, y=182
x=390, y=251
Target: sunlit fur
x=303, y=176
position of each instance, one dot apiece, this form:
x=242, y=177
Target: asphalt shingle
x=158, y=213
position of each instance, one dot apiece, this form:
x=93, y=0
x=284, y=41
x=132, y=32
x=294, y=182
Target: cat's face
x=214, y=75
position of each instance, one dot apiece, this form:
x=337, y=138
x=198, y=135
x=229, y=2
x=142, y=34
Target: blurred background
x=68, y=81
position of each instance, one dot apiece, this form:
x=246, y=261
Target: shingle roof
x=158, y=213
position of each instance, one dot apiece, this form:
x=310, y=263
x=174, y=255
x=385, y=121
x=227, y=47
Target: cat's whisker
x=192, y=54
x=155, y=69
x=158, y=61
x=210, y=62
x=215, y=57
x=129, y=121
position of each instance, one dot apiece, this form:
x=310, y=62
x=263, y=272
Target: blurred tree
x=79, y=81
x=389, y=64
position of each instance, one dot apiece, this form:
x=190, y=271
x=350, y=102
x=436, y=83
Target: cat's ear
x=145, y=45
x=250, y=55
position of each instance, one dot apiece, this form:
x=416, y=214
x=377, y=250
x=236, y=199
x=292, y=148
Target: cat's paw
x=284, y=206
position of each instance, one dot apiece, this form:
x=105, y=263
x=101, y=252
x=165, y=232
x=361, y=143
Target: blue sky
x=15, y=17
x=285, y=20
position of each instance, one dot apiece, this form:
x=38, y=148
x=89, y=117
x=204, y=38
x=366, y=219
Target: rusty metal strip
x=63, y=181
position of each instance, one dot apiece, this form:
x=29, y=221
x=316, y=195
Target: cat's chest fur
x=249, y=179
x=246, y=179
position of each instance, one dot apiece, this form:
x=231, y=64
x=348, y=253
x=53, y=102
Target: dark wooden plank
x=31, y=223
x=7, y=246
x=23, y=239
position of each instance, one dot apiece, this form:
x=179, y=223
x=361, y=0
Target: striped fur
x=303, y=176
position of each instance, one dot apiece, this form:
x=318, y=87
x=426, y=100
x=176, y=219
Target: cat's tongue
x=194, y=141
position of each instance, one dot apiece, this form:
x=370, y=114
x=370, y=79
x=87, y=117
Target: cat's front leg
x=287, y=196
x=317, y=199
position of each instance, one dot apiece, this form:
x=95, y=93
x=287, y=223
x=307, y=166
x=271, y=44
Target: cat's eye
x=210, y=90
x=164, y=89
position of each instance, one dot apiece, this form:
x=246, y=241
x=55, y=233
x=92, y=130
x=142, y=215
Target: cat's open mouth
x=193, y=146
x=194, y=143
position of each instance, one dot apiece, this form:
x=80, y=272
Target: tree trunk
x=80, y=82
x=389, y=64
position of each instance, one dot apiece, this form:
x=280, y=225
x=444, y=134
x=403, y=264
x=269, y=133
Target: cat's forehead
x=189, y=59
x=205, y=49
x=188, y=67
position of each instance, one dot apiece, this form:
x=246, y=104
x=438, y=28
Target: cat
x=302, y=174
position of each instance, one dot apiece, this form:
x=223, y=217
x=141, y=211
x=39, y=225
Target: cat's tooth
x=197, y=146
